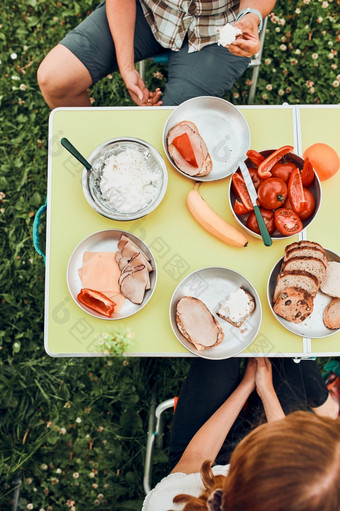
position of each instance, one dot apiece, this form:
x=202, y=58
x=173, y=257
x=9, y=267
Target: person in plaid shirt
x=121, y=32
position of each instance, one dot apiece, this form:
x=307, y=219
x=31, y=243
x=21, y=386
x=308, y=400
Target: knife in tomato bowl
x=267, y=240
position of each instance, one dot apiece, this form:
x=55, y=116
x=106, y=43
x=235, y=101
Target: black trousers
x=209, y=383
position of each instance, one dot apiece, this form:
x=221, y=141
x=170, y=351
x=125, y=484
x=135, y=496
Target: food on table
x=212, y=222
x=331, y=316
x=307, y=173
x=331, y=283
x=227, y=34
x=310, y=205
x=188, y=149
x=264, y=168
x=324, y=160
x=295, y=192
x=101, y=272
x=296, y=278
x=306, y=251
x=287, y=222
x=241, y=190
x=311, y=264
x=255, y=157
x=268, y=217
x=197, y=324
x=237, y=307
x=283, y=170
x=294, y=304
x=135, y=270
x=96, y=301
x=304, y=243
x=272, y=193
x=128, y=182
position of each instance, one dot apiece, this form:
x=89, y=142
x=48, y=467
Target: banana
x=212, y=222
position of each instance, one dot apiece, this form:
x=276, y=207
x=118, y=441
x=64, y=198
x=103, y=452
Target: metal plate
x=91, y=179
x=107, y=241
x=222, y=127
x=315, y=188
x=212, y=285
x=313, y=327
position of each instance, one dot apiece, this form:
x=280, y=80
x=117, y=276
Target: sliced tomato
x=255, y=177
x=241, y=190
x=295, y=192
x=240, y=208
x=307, y=173
x=309, y=197
x=287, y=221
x=184, y=147
x=255, y=157
x=268, y=217
x=272, y=193
x=283, y=170
x=264, y=169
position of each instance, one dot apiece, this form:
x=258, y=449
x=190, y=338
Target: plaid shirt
x=172, y=20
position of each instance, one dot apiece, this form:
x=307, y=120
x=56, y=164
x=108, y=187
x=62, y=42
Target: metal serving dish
x=315, y=188
x=212, y=285
x=222, y=127
x=91, y=178
x=107, y=241
x=313, y=327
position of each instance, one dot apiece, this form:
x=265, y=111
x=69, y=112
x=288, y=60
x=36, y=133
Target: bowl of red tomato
x=288, y=190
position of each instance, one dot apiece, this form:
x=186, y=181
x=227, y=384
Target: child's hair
x=291, y=464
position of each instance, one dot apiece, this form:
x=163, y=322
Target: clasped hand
x=258, y=375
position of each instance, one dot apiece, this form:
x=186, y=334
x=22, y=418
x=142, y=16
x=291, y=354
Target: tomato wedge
x=184, y=147
x=241, y=190
x=306, y=213
x=307, y=173
x=240, y=208
x=255, y=157
x=296, y=193
x=96, y=301
x=267, y=164
x=287, y=222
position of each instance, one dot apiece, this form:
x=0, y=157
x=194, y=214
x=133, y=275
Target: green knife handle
x=263, y=228
x=71, y=149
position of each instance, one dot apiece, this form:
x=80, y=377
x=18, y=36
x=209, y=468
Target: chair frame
x=254, y=63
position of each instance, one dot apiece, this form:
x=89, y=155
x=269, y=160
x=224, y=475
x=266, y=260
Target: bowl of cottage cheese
x=127, y=181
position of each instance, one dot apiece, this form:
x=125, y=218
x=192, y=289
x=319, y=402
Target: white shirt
x=161, y=497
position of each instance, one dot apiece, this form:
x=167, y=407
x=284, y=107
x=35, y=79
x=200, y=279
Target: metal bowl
x=315, y=188
x=223, y=128
x=116, y=208
x=212, y=285
x=107, y=241
x=313, y=327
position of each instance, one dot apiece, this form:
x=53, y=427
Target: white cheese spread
x=236, y=307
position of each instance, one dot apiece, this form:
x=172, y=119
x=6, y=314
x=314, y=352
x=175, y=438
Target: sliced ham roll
x=203, y=159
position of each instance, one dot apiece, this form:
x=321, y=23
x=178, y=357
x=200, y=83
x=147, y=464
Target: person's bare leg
x=63, y=79
x=330, y=408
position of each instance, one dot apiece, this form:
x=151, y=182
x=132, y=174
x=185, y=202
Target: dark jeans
x=209, y=72
x=209, y=383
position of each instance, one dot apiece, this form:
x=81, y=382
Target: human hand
x=138, y=92
x=264, y=377
x=249, y=374
x=248, y=43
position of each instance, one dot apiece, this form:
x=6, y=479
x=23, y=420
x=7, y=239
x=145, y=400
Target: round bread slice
x=296, y=278
x=331, y=283
x=331, y=316
x=197, y=324
x=294, y=304
x=306, y=251
x=304, y=243
x=311, y=264
x=237, y=308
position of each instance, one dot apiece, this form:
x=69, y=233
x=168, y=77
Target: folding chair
x=255, y=64
x=155, y=435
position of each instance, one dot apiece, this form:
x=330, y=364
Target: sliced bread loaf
x=331, y=316
x=296, y=278
x=331, y=283
x=306, y=252
x=310, y=264
x=294, y=304
x=304, y=243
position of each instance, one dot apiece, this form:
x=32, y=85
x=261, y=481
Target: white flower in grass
x=306, y=2
x=281, y=92
x=324, y=5
x=269, y=86
x=62, y=431
x=267, y=62
x=331, y=55
x=315, y=56
x=297, y=11
x=277, y=29
x=336, y=83
x=30, y=506
x=44, y=466
x=264, y=96
x=298, y=51
x=14, y=56
x=283, y=47
x=58, y=470
x=92, y=475
x=319, y=19
x=22, y=86
x=75, y=475
x=78, y=420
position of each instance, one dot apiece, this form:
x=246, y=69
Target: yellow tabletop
x=179, y=245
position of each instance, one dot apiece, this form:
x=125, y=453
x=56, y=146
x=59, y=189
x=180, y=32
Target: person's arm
x=248, y=44
x=208, y=440
x=266, y=391
x=121, y=16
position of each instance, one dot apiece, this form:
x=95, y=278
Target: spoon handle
x=67, y=144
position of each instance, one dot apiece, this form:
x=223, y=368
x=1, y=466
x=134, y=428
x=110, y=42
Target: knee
x=49, y=81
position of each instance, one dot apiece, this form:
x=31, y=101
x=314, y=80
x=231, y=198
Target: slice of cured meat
x=199, y=148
